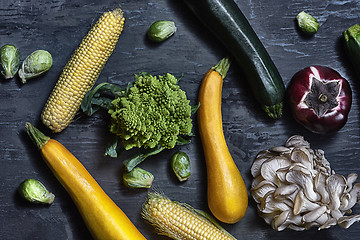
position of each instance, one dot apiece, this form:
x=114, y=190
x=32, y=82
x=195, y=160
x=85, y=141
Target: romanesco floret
x=153, y=112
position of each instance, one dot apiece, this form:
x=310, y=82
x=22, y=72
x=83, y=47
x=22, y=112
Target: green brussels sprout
x=34, y=191
x=35, y=64
x=307, y=23
x=180, y=164
x=161, y=30
x=138, y=178
x=10, y=60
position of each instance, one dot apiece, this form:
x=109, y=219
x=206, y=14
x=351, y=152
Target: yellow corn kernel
x=82, y=70
x=179, y=221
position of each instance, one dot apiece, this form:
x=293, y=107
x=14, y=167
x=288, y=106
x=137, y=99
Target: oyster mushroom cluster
x=295, y=188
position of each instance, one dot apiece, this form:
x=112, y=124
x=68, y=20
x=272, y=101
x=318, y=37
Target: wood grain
x=58, y=26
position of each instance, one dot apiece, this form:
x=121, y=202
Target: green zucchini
x=228, y=23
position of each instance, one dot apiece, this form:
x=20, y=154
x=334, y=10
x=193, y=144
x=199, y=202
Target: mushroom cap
x=319, y=185
x=347, y=221
x=269, y=167
x=335, y=185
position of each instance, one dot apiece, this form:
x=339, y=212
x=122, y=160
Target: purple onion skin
x=334, y=119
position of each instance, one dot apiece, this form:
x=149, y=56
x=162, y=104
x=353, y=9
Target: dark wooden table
x=59, y=26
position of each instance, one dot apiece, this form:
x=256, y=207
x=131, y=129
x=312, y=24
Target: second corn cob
x=82, y=70
x=180, y=221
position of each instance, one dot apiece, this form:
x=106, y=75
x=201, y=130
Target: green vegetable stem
x=135, y=160
x=34, y=191
x=10, y=60
x=161, y=30
x=307, y=23
x=35, y=64
x=352, y=45
x=180, y=164
x=138, y=178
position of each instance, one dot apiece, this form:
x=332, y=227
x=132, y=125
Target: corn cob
x=82, y=70
x=180, y=221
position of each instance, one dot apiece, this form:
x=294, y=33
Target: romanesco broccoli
x=153, y=112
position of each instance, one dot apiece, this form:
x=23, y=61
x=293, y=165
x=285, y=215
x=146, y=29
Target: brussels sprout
x=138, y=178
x=10, y=60
x=161, y=30
x=35, y=192
x=307, y=23
x=35, y=64
x=180, y=164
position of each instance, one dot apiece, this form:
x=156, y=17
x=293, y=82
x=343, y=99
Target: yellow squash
x=104, y=219
x=226, y=190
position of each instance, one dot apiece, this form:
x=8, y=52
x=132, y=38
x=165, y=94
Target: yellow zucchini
x=226, y=190
x=104, y=219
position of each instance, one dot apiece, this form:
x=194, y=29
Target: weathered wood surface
x=58, y=26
